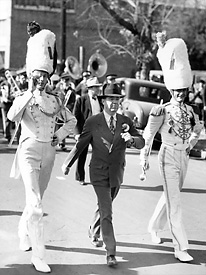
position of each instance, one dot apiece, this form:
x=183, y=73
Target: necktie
x=111, y=125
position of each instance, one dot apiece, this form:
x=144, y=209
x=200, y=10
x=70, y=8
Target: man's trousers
x=173, y=167
x=36, y=160
x=80, y=168
x=105, y=196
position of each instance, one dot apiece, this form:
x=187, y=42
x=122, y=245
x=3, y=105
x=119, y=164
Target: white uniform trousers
x=36, y=160
x=173, y=167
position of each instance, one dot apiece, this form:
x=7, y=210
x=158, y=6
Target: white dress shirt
x=107, y=118
x=95, y=105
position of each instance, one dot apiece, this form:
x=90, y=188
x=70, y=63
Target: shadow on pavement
x=10, y=213
x=62, y=269
x=13, y=213
x=145, y=188
x=160, y=188
x=128, y=262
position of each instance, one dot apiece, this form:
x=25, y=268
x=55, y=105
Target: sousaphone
x=97, y=65
x=73, y=67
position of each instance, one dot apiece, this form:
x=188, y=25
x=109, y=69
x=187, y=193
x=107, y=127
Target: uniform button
x=175, y=143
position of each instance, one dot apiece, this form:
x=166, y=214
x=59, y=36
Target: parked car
x=140, y=97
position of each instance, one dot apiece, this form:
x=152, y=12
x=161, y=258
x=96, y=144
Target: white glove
x=126, y=136
x=76, y=137
x=144, y=164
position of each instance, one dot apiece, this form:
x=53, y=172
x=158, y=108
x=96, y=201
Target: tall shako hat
x=40, y=52
x=173, y=58
x=32, y=28
x=111, y=90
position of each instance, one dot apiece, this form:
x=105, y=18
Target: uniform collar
x=174, y=102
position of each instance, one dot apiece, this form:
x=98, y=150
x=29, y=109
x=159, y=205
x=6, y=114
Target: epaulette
x=158, y=110
x=196, y=110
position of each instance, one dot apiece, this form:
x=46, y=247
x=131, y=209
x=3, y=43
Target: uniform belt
x=179, y=147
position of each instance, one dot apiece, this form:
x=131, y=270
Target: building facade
x=16, y=14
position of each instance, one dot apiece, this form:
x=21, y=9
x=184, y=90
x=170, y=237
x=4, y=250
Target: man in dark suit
x=66, y=89
x=81, y=88
x=108, y=133
x=85, y=106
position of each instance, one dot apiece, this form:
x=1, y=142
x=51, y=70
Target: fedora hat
x=21, y=71
x=55, y=77
x=111, y=77
x=65, y=75
x=93, y=82
x=86, y=73
x=111, y=90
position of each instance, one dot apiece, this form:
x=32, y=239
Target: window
x=2, y=55
x=44, y=4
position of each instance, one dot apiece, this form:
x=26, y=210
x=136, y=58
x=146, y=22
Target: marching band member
x=6, y=101
x=37, y=109
x=179, y=126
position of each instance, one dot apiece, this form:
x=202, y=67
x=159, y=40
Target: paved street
x=68, y=210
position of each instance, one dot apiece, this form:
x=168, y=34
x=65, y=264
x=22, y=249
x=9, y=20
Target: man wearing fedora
x=81, y=88
x=85, y=106
x=66, y=89
x=108, y=133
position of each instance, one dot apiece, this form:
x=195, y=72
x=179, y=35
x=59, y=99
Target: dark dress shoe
x=96, y=242
x=111, y=261
x=82, y=182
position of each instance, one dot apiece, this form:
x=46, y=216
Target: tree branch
x=127, y=25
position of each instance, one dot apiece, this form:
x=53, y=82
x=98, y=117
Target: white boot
x=155, y=238
x=24, y=243
x=40, y=265
x=183, y=256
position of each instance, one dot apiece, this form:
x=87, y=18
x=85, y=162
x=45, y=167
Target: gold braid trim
x=50, y=114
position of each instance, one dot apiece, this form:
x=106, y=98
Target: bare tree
x=127, y=27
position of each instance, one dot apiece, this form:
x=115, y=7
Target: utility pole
x=63, y=31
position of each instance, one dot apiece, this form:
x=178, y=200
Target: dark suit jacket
x=81, y=88
x=82, y=110
x=108, y=151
